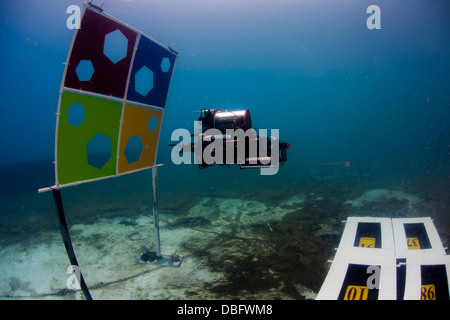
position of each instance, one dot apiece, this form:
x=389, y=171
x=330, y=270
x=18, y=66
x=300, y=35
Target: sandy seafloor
x=242, y=235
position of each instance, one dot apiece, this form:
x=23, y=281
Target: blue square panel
x=151, y=73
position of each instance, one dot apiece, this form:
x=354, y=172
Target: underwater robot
x=226, y=137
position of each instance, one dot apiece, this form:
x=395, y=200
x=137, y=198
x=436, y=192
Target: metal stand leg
x=167, y=260
x=155, y=211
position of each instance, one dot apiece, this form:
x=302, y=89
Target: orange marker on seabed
x=346, y=163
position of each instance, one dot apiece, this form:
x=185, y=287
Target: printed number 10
x=356, y=293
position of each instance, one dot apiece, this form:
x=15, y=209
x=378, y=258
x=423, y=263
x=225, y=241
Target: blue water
x=336, y=90
x=333, y=87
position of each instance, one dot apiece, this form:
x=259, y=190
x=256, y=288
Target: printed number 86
x=428, y=292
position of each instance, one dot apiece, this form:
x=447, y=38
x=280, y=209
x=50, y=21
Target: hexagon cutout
x=115, y=46
x=152, y=123
x=133, y=149
x=75, y=114
x=84, y=70
x=143, y=81
x=99, y=150
x=165, y=64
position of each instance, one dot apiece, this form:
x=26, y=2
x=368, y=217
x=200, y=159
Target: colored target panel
x=104, y=48
x=112, y=103
x=139, y=124
x=151, y=73
x=87, y=137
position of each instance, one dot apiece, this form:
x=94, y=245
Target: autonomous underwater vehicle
x=227, y=137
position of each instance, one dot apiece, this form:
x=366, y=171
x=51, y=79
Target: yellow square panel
x=139, y=138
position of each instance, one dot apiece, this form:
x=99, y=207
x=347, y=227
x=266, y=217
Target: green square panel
x=88, y=132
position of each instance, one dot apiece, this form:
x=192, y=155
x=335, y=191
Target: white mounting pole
x=167, y=260
x=155, y=211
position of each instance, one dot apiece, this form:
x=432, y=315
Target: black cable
x=67, y=242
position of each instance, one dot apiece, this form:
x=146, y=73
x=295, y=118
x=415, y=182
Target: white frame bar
x=413, y=281
x=334, y=281
x=401, y=245
x=346, y=246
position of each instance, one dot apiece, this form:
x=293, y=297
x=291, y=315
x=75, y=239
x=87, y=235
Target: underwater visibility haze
x=365, y=111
